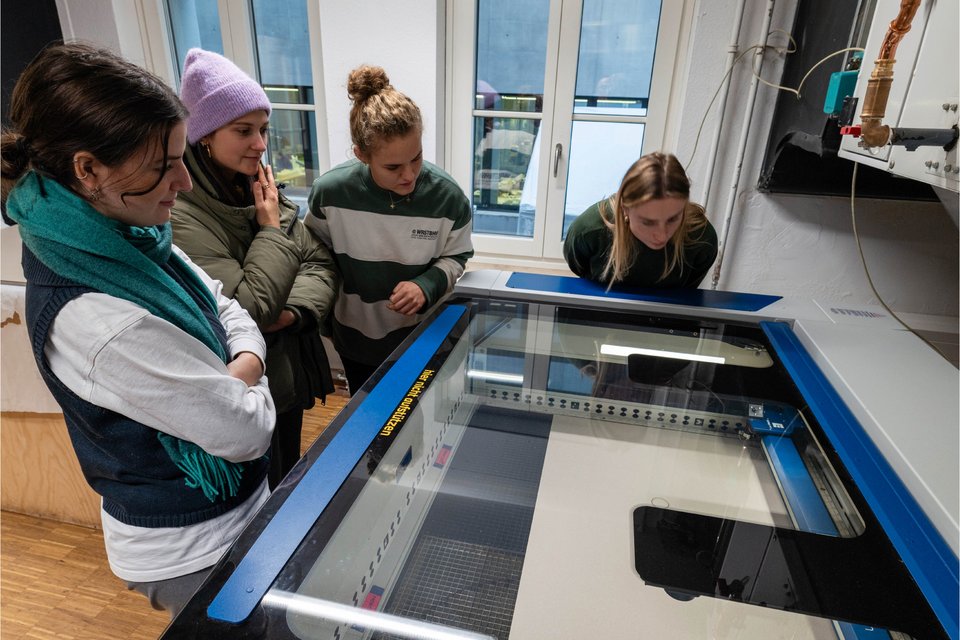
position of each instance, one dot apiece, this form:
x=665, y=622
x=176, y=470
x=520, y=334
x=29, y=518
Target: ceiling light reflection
x=495, y=376
x=619, y=350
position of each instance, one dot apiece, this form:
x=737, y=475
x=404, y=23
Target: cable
x=789, y=37
x=824, y=59
x=853, y=219
x=809, y=71
x=723, y=405
x=729, y=70
x=796, y=91
x=706, y=111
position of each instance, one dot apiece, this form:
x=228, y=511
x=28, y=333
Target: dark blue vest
x=123, y=460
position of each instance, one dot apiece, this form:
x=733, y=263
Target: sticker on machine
x=407, y=404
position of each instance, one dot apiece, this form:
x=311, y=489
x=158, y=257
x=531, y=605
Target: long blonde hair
x=652, y=177
x=379, y=112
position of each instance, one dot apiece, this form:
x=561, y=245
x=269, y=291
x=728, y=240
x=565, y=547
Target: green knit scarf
x=79, y=243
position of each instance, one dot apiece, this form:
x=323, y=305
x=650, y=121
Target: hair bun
x=23, y=146
x=17, y=153
x=366, y=81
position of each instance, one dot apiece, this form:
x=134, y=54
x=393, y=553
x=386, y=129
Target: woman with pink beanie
x=238, y=227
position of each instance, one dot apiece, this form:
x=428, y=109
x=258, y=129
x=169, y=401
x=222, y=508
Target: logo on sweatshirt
x=424, y=234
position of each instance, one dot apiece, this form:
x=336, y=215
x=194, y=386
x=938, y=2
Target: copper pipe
x=873, y=133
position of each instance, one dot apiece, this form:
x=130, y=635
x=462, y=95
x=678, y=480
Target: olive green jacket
x=266, y=270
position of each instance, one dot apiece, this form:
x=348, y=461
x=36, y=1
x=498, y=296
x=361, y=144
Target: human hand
x=247, y=367
x=266, y=198
x=285, y=319
x=407, y=298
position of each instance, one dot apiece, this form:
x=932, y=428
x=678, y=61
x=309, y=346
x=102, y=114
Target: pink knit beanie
x=216, y=92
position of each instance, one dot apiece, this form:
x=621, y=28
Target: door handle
x=558, y=151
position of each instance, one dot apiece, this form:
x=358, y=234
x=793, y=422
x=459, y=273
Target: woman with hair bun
x=398, y=226
x=648, y=234
x=160, y=376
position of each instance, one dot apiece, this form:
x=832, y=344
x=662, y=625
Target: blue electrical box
x=842, y=84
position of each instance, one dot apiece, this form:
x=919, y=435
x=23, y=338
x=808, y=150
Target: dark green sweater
x=588, y=245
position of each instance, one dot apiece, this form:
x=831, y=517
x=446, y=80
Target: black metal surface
x=859, y=580
x=459, y=585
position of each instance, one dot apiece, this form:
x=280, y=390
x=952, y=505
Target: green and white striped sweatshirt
x=423, y=237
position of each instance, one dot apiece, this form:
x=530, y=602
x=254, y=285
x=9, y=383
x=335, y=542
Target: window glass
x=502, y=201
x=615, y=55
x=618, y=39
x=194, y=23
x=511, y=58
x=293, y=152
x=600, y=153
x=283, y=50
x=511, y=54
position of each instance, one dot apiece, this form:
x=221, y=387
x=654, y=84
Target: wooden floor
x=55, y=581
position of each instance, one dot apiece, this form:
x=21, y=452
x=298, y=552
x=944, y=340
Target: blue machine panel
x=690, y=297
x=263, y=562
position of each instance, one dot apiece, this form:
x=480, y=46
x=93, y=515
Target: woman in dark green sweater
x=648, y=234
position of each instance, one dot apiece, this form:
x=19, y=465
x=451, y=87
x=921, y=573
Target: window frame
x=557, y=116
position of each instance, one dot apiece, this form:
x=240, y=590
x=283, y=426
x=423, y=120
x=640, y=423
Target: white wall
x=116, y=24
x=788, y=245
x=405, y=38
x=803, y=245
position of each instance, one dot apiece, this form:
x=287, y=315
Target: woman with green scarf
x=160, y=376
